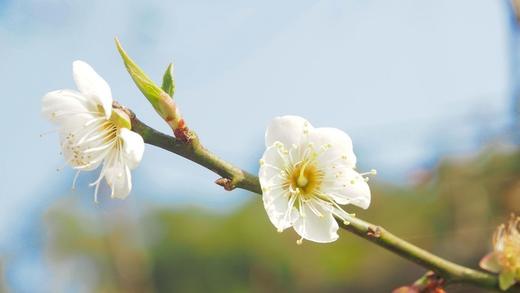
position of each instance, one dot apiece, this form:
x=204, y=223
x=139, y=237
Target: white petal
x=491, y=262
x=273, y=163
x=270, y=175
x=276, y=204
x=65, y=106
x=334, y=145
x=92, y=85
x=321, y=229
x=133, y=147
x=348, y=188
x=288, y=130
x=118, y=177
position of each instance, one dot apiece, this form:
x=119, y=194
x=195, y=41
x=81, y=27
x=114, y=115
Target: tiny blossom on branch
x=505, y=257
x=93, y=133
x=305, y=174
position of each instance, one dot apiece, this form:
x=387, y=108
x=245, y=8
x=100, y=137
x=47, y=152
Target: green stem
x=236, y=177
x=196, y=152
x=451, y=272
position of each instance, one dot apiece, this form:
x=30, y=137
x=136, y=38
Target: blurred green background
x=451, y=210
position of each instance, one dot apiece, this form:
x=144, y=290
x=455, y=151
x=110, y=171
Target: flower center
x=511, y=255
x=305, y=179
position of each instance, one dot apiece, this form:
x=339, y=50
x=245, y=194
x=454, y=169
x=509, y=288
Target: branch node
x=183, y=133
x=374, y=231
x=226, y=183
x=429, y=283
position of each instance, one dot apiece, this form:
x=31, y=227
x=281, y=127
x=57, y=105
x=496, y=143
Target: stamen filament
x=75, y=179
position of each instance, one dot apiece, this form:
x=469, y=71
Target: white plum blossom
x=305, y=174
x=504, y=260
x=92, y=132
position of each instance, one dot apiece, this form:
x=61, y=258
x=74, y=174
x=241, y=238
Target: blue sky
x=406, y=79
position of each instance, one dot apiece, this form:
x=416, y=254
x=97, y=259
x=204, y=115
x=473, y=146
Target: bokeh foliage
x=450, y=210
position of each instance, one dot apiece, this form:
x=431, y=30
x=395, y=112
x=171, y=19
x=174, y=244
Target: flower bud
x=160, y=99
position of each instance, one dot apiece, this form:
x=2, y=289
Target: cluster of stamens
x=507, y=240
x=78, y=157
x=91, y=143
x=303, y=179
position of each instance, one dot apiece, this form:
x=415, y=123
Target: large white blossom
x=93, y=133
x=305, y=174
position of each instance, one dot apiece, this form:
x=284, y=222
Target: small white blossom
x=305, y=174
x=505, y=257
x=92, y=133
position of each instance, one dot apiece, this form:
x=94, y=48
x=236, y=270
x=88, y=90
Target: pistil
x=302, y=181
